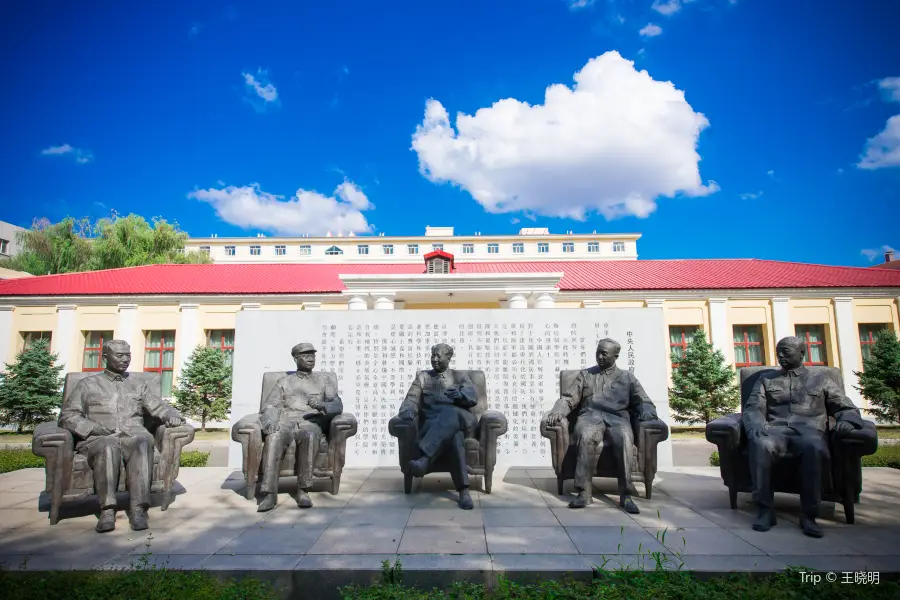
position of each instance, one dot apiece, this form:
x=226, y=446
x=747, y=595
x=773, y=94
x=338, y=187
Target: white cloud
x=195, y=29
x=873, y=253
x=751, y=196
x=612, y=144
x=771, y=174
x=79, y=155
x=890, y=88
x=305, y=212
x=883, y=150
x=666, y=7
x=650, y=30
x=579, y=4
x=260, y=92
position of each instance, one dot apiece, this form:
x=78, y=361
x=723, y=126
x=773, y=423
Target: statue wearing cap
x=297, y=408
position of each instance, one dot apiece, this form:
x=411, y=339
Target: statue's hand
x=408, y=415
x=843, y=427
x=554, y=418
x=173, y=420
x=316, y=404
x=101, y=430
x=270, y=428
x=647, y=415
x=757, y=433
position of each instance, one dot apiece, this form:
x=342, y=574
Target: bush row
x=13, y=459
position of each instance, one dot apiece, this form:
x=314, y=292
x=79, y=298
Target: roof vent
x=889, y=256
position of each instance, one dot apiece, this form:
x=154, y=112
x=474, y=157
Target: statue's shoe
x=765, y=520
x=107, y=520
x=810, y=527
x=419, y=467
x=579, y=501
x=303, y=500
x=268, y=503
x=465, y=500
x=629, y=506
x=138, y=519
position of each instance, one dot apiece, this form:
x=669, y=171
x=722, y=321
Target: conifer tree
x=704, y=386
x=879, y=382
x=204, y=387
x=31, y=388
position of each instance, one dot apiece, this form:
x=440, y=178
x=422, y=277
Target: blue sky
x=296, y=117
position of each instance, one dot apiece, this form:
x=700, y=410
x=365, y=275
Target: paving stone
x=633, y=562
x=443, y=540
x=597, y=514
x=786, y=539
x=613, y=540
x=274, y=539
x=445, y=517
x=731, y=563
x=373, y=517
x=529, y=540
x=703, y=540
x=519, y=517
x=671, y=516
x=251, y=562
x=350, y=540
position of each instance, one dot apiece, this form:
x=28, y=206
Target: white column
x=127, y=328
x=781, y=318
x=384, y=301
x=64, y=335
x=848, y=347
x=188, y=336
x=545, y=301
x=6, y=336
x=718, y=325
x=358, y=303
x=312, y=306
x=517, y=300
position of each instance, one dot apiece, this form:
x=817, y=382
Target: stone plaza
x=522, y=530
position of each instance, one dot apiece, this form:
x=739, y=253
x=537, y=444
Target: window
x=493, y=248
x=867, y=333
x=437, y=247
x=814, y=338
x=230, y=250
x=543, y=247
x=412, y=248
x=362, y=249
x=593, y=247
x=305, y=250
x=4, y=246
x=204, y=249
x=159, y=357
x=93, y=350
x=30, y=337
x=618, y=246
x=255, y=250
x=280, y=250
x=468, y=248
x=679, y=338
x=388, y=248
x=439, y=265
x=518, y=248
x=333, y=251
x=568, y=247
x=223, y=339
x=748, y=346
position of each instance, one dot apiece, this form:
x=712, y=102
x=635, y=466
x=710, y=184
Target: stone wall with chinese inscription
x=376, y=355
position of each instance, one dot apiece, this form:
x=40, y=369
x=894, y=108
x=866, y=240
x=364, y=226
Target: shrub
x=194, y=458
x=886, y=456
x=19, y=458
x=714, y=459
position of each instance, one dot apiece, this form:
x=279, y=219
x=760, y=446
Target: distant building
x=9, y=243
x=889, y=262
x=10, y=274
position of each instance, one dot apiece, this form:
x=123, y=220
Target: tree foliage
x=204, y=387
x=30, y=389
x=112, y=242
x=879, y=382
x=704, y=386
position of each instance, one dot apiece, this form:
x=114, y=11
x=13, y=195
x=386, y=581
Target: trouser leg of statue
x=105, y=458
x=763, y=451
x=588, y=444
x=813, y=453
x=621, y=437
x=274, y=447
x=447, y=431
x=308, y=437
x=137, y=451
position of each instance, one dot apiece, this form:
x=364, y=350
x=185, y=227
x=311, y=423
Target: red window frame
x=872, y=330
x=747, y=344
x=809, y=346
x=222, y=345
x=162, y=347
x=93, y=348
x=684, y=341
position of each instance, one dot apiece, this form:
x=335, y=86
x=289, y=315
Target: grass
x=194, y=458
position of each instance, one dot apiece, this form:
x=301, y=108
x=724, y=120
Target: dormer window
x=333, y=251
x=439, y=262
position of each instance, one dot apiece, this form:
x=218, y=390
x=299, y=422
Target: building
x=889, y=262
x=9, y=242
x=164, y=311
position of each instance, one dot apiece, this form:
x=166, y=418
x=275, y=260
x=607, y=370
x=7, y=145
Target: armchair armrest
x=558, y=435
x=342, y=427
x=492, y=425
x=861, y=442
x=57, y=446
x=170, y=441
x=725, y=432
x=651, y=433
x=407, y=433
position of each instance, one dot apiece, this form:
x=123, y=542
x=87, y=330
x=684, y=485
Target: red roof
x=240, y=279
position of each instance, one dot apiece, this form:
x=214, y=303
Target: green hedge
x=194, y=458
x=13, y=459
x=887, y=455
x=714, y=459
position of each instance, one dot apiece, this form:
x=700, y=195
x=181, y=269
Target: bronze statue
x=105, y=413
x=297, y=408
x=606, y=398
x=787, y=414
x=444, y=397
